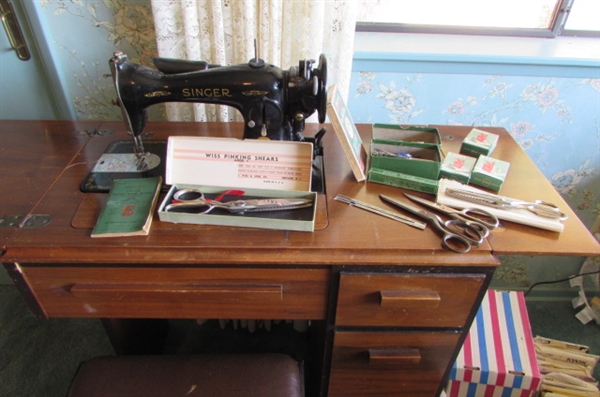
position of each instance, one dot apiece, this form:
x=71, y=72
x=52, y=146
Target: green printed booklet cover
x=129, y=208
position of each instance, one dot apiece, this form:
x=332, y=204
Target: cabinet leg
x=136, y=336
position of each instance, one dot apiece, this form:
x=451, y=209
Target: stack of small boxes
x=473, y=164
x=411, y=157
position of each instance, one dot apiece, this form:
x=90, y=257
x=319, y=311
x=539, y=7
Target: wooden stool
x=227, y=375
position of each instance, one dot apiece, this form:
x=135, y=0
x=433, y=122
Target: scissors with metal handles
x=475, y=218
x=452, y=239
x=193, y=201
x=538, y=207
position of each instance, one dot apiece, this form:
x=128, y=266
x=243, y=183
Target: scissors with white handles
x=193, y=201
x=476, y=218
x=538, y=207
x=452, y=239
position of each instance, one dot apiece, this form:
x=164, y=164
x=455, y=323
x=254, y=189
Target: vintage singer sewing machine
x=274, y=103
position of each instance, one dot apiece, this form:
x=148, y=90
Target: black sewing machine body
x=274, y=103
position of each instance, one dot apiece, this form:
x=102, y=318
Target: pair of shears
x=476, y=219
x=538, y=207
x=466, y=228
x=193, y=201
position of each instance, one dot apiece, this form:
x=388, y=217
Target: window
x=583, y=17
x=535, y=18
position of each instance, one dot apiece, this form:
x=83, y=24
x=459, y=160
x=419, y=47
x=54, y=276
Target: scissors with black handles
x=193, y=201
x=452, y=238
x=479, y=219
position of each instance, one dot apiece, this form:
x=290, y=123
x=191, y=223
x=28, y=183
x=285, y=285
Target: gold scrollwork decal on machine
x=155, y=94
x=255, y=93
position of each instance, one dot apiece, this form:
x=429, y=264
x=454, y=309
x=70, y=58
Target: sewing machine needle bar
x=381, y=211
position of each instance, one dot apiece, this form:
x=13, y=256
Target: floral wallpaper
x=555, y=120
x=85, y=33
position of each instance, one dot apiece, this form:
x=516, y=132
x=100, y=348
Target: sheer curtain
x=223, y=32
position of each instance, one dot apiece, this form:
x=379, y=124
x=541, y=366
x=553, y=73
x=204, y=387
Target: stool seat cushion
x=223, y=375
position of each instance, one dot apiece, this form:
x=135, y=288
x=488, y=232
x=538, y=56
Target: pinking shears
x=193, y=201
x=480, y=220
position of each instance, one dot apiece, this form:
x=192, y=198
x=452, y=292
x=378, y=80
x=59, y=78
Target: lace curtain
x=224, y=31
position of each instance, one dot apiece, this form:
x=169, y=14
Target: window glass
x=584, y=15
x=526, y=14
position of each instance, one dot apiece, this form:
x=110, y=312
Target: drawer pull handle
x=265, y=292
x=396, y=356
x=428, y=299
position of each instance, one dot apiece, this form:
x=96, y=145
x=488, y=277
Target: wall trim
x=479, y=65
x=56, y=81
x=448, y=54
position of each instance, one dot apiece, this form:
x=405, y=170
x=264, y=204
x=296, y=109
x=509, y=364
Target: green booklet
x=129, y=208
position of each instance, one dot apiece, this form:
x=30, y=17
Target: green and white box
x=409, y=150
x=417, y=159
x=457, y=167
x=398, y=179
x=489, y=173
x=411, y=133
x=479, y=142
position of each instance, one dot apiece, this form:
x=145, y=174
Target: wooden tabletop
x=42, y=165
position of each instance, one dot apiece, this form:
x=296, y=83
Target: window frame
x=560, y=15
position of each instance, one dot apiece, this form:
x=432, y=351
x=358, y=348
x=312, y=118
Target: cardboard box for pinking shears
x=258, y=168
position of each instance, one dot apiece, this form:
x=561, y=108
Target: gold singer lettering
x=206, y=92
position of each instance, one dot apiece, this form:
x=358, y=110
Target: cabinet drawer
x=390, y=363
x=180, y=292
x=407, y=300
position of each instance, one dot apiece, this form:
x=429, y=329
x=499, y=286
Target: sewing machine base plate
x=100, y=181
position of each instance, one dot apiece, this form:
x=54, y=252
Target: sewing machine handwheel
x=322, y=94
